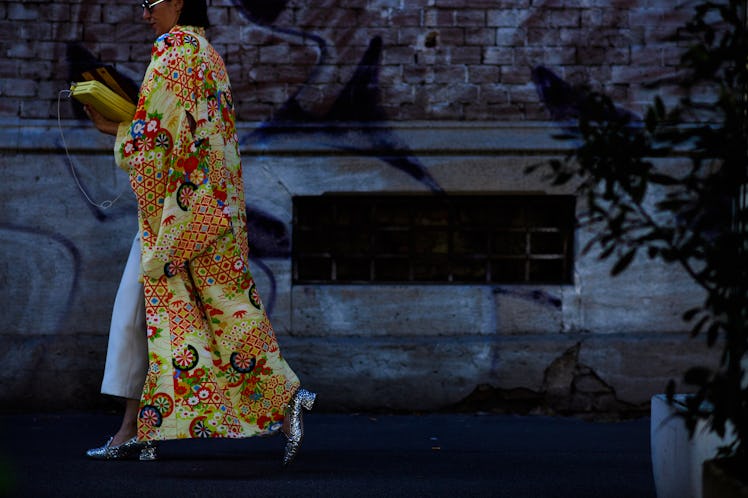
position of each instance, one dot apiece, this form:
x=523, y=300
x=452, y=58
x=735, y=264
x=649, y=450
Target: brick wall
x=439, y=60
x=449, y=83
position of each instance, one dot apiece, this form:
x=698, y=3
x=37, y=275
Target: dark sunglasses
x=148, y=5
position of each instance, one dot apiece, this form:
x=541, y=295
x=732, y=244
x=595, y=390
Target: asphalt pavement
x=346, y=455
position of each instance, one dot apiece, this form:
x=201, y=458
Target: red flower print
x=263, y=421
x=240, y=313
x=188, y=165
x=180, y=389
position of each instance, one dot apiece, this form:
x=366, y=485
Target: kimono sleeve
x=171, y=170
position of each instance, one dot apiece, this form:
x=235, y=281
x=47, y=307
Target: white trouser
x=127, y=354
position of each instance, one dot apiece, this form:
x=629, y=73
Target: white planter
x=677, y=459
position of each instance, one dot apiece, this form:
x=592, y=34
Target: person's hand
x=101, y=123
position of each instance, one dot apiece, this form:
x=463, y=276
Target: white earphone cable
x=104, y=204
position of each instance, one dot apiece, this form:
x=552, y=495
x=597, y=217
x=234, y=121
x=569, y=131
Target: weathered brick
x=62, y=31
x=9, y=107
x=432, y=57
x=224, y=34
x=509, y=112
x=613, y=18
x=515, y=75
x=274, y=53
x=19, y=50
x=480, y=74
x=505, y=18
x=550, y=56
x=218, y=16
x=86, y=13
x=477, y=111
x=523, y=93
x=451, y=36
x=10, y=31
x=16, y=87
x=510, y=37
x=466, y=55
x=41, y=70
x=398, y=55
x=25, y=11
x=121, y=13
x=254, y=111
x=450, y=74
x=132, y=33
x=438, y=18
x=114, y=52
x=455, y=92
x=37, y=109
x=11, y=68
x=413, y=36
x=542, y=36
x=591, y=55
x=427, y=45
x=407, y=17
x=93, y=33
x=480, y=36
x=470, y=18
x=54, y=11
x=559, y=18
x=270, y=93
x=398, y=94
x=418, y=74
x=498, y=55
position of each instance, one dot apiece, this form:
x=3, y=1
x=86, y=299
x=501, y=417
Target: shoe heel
x=148, y=453
x=307, y=399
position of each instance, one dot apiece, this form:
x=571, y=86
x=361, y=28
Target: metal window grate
x=433, y=239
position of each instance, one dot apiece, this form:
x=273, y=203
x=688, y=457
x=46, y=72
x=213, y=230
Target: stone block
x=379, y=310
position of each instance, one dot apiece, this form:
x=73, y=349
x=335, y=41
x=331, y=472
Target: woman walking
x=214, y=366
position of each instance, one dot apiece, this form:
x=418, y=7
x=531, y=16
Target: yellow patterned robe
x=215, y=369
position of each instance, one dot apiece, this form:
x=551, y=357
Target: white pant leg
x=127, y=353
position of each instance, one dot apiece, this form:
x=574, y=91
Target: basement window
x=433, y=239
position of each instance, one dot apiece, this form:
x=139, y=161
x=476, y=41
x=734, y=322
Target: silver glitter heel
x=129, y=449
x=148, y=453
x=301, y=399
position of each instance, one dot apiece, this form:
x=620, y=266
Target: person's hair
x=194, y=13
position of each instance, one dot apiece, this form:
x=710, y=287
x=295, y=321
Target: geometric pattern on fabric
x=207, y=222
x=149, y=189
x=222, y=272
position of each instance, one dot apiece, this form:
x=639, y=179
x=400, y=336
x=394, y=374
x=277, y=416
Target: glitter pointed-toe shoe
x=131, y=448
x=301, y=399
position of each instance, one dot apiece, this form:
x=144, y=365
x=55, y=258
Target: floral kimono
x=215, y=369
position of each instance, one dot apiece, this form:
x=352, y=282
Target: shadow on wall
x=359, y=102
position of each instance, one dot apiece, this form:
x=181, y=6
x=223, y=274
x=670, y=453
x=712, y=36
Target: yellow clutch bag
x=104, y=100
